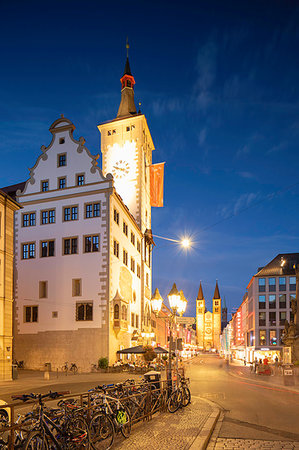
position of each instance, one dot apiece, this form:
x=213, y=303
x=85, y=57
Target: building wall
x=57, y=335
x=7, y=208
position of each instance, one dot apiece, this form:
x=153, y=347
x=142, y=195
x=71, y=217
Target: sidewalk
x=188, y=428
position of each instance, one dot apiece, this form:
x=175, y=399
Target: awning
x=139, y=350
x=160, y=350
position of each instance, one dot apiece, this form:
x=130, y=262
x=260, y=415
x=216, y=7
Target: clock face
x=120, y=169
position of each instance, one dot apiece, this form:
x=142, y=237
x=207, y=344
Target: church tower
x=126, y=146
x=216, y=317
x=200, y=317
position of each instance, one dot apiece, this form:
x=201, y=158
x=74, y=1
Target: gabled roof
x=12, y=190
x=282, y=264
x=200, y=293
x=216, y=293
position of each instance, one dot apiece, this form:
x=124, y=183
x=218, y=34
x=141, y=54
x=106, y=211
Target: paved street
x=253, y=408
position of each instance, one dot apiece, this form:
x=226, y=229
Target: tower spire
x=127, y=105
x=216, y=293
x=200, y=293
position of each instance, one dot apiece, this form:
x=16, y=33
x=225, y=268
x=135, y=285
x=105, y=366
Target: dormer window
x=61, y=162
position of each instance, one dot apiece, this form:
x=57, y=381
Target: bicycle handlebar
x=52, y=395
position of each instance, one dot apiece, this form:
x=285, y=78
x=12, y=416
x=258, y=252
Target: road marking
x=267, y=387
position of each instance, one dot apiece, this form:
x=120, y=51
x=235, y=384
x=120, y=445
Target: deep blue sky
x=218, y=83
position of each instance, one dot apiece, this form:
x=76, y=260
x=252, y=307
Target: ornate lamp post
x=178, y=303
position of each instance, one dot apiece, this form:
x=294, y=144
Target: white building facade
x=83, y=244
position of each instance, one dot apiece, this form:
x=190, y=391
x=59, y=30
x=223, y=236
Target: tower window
x=129, y=84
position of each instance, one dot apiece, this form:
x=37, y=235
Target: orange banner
x=157, y=183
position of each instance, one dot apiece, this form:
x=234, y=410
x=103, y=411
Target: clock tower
x=127, y=146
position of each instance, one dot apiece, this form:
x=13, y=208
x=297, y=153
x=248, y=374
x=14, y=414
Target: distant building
x=208, y=324
x=270, y=292
x=7, y=208
x=83, y=243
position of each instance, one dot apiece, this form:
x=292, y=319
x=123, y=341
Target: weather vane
x=127, y=47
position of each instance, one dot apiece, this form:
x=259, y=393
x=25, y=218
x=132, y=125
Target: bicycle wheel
x=101, y=432
x=123, y=417
x=186, y=396
x=36, y=441
x=79, y=433
x=173, y=402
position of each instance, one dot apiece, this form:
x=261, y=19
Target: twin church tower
x=208, y=324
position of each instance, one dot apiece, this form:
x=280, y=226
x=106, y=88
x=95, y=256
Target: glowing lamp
x=183, y=304
x=174, y=298
x=156, y=302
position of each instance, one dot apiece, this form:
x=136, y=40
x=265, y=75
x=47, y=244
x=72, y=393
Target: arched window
x=116, y=311
x=129, y=84
x=124, y=313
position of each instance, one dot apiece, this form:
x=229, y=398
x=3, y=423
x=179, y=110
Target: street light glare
x=186, y=243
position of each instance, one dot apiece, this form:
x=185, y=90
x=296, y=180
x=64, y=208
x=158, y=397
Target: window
x=29, y=220
x=125, y=257
x=127, y=128
x=138, y=246
x=116, y=217
x=43, y=289
x=262, y=319
x=147, y=280
x=116, y=311
x=124, y=312
x=70, y=246
x=61, y=183
x=45, y=185
x=137, y=321
x=92, y=210
x=282, y=301
x=216, y=302
x=61, y=159
x=70, y=213
x=76, y=287
x=54, y=314
x=132, y=319
x=116, y=248
x=83, y=311
x=91, y=243
x=272, y=284
x=272, y=318
x=292, y=297
x=31, y=313
x=113, y=131
x=273, y=338
x=28, y=250
x=132, y=264
x=48, y=216
x=262, y=284
x=292, y=283
x=125, y=228
x=133, y=238
x=262, y=302
x=138, y=271
x=282, y=284
x=272, y=301
x=109, y=133
x=282, y=317
x=61, y=141
x=47, y=248
x=80, y=180
x=263, y=337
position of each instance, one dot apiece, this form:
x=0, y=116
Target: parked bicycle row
x=90, y=420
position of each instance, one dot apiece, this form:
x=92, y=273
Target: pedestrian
x=244, y=361
x=255, y=364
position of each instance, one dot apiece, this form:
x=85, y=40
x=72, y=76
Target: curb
x=202, y=439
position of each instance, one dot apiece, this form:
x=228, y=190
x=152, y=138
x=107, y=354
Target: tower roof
x=200, y=293
x=127, y=70
x=216, y=293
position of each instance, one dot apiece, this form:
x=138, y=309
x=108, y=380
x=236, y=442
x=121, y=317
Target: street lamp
x=178, y=303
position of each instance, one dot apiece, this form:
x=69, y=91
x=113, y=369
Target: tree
x=149, y=354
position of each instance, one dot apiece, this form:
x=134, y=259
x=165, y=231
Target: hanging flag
x=157, y=182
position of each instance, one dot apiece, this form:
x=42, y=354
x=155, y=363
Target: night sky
x=218, y=83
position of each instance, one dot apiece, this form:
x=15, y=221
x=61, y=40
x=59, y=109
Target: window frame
x=91, y=236
x=70, y=240
x=77, y=179
x=85, y=304
x=59, y=179
x=31, y=314
x=29, y=214
x=48, y=216
x=22, y=250
x=70, y=207
x=48, y=241
x=58, y=159
x=92, y=212
x=48, y=185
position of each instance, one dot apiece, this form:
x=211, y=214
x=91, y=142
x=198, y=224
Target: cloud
x=247, y=175
x=238, y=205
x=277, y=148
x=206, y=65
x=202, y=136
x=163, y=106
x=244, y=150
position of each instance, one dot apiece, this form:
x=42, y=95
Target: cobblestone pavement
x=168, y=431
x=231, y=444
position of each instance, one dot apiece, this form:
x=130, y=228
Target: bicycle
x=74, y=368
x=112, y=417
x=60, y=431
x=180, y=397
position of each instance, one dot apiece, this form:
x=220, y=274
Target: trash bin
x=288, y=375
x=48, y=367
x=154, y=378
x=14, y=368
